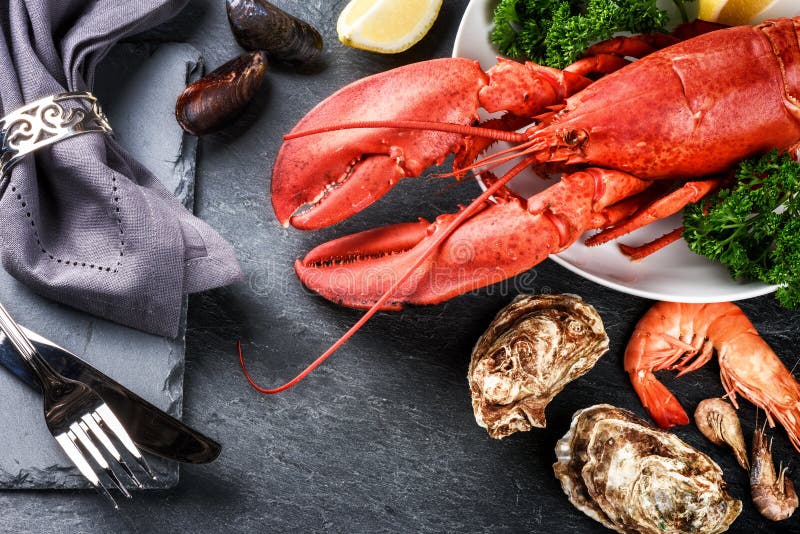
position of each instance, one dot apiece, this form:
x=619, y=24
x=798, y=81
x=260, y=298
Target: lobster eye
x=574, y=137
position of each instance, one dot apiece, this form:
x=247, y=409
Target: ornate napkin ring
x=46, y=121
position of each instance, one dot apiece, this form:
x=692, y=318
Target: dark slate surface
x=136, y=84
x=381, y=438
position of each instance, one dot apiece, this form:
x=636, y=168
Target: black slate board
x=381, y=438
x=136, y=85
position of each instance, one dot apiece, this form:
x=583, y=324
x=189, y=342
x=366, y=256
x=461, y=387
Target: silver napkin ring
x=46, y=121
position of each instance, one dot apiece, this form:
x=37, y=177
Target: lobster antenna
x=523, y=142
x=435, y=242
x=475, y=131
x=495, y=159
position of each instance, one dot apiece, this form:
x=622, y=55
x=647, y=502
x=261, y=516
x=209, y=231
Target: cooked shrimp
x=774, y=496
x=683, y=337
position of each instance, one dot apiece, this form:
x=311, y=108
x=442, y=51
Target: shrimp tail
x=659, y=402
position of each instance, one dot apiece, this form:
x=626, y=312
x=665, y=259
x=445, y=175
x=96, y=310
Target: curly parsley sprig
x=754, y=227
x=557, y=32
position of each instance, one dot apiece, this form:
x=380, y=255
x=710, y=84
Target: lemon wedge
x=733, y=12
x=709, y=9
x=742, y=11
x=386, y=26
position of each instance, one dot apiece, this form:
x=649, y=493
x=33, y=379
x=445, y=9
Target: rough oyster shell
x=633, y=477
x=532, y=349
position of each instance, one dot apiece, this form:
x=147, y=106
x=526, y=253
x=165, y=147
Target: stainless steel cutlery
x=80, y=421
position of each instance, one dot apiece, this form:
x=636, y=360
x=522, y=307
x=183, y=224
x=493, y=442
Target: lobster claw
x=498, y=242
x=335, y=173
x=338, y=173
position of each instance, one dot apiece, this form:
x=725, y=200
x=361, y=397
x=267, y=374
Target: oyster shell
x=532, y=349
x=633, y=477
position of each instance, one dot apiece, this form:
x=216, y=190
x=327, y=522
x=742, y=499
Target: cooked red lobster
x=690, y=110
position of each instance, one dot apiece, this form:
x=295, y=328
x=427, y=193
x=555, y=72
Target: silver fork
x=74, y=413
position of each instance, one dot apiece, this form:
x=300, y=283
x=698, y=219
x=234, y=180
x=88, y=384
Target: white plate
x=673, y=273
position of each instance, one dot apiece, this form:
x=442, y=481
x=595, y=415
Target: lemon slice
x=386, y=26
x=733, y=12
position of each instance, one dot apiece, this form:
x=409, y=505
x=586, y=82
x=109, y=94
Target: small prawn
x=683, y=337
x=717, y=420
x=774, y=496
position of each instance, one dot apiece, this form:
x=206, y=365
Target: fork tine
x=73, y=452
x=104, y=414
x=88, y=424
x=95, y=453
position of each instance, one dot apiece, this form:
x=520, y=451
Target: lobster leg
x=661, y=208
x=611, y=55
x=642, y=251
x=499, y=241
x=638, y=46
x=599, y=64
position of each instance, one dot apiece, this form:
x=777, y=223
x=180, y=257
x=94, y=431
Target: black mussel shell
x=213, y=101
x=258, y=25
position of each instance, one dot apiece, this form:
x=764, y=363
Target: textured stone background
x=381, y=438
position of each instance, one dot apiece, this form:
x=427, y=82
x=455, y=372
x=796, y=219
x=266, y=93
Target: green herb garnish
x=754, y=227
x=557, y=32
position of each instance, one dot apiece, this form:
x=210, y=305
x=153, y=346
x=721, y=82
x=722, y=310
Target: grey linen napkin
x=82, y=222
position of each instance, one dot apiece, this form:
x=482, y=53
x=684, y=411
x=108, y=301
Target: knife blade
x=152, y=429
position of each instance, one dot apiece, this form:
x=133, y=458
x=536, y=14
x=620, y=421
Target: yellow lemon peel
x=386, y=26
